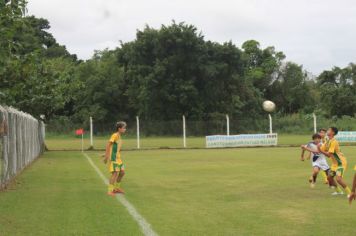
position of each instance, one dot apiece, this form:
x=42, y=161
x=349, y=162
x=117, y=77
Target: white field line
x=144, y=225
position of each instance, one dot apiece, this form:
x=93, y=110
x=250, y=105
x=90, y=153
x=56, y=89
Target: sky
x=317, y=34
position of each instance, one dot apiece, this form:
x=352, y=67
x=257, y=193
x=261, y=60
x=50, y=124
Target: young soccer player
x=318, y=159
x=353, y=195
x=113, y=153
x=331, y=149
x=324, y=139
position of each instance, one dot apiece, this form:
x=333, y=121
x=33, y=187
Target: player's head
x=316, y=138
x=121, y=127
x=322, y=132
x=332, y=131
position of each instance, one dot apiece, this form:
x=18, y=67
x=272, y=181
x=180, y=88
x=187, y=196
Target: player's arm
x=353, y=195
x=302, y=154
x=107, y=152
x=306, y=148
x=329, y=152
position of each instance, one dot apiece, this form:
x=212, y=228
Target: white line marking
x=144, y=225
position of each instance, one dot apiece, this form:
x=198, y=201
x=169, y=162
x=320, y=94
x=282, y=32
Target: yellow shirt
x=325, y=139
x=332, y=146
x=116, y=142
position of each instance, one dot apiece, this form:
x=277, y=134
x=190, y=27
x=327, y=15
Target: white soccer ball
x=269, y=106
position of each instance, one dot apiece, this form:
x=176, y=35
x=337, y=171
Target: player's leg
x=315, y=172
x=332, y=183
x=340, y=180
x=324, y=167
x=326, y=172
x=113, y=178
x=121, y=174
x=325, y=177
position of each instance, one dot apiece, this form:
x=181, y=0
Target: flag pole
x=82, y=141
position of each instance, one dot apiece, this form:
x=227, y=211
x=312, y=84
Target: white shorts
x=321, y=163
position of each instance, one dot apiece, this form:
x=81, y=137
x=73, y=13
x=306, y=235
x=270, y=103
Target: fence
x=185, y=132
x=21, y=141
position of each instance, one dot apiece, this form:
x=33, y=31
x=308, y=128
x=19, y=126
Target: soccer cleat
x=312, y=185
x=348, y=196
x=111, y=193
x=337, y=193
x=119, y=190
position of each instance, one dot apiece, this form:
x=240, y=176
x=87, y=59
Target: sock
x=117, y=185
x=111, y=188
x=338, y=189
x=324, y=176
x=347, y=190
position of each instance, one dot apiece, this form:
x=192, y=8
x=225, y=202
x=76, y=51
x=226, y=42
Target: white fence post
x=227, y=125
x=138, y=131
x=82, y=141
x=184, y=134
x=91, y=133
x=270, y=124
x=314, y=117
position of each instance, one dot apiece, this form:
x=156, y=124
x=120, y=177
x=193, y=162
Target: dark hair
x=335, y=130
x=120, y=124
x=316, y=136
x=322, y=129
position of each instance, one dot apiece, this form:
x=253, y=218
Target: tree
x=33, y=78
x=338, y=91
x=290, y=90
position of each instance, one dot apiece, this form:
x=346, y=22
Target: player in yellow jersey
x=331, y=149
x=113, y=155
x=353, y=195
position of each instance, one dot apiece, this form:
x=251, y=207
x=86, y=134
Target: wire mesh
x=292, y=129
x=21, y=141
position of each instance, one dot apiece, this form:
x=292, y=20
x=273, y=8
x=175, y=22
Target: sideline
x=144, y=225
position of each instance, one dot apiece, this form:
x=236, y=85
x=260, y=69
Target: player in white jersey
x=324, y=139
x=318, y=159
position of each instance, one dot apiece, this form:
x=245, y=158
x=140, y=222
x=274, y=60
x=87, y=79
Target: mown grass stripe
x=142, y=222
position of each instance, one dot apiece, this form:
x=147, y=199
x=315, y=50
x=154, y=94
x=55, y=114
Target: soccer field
x=254, y=191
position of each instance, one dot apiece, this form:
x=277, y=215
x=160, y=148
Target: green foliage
x=32, y=77
x=338, y=91
x=160, y=75
x=290, y=90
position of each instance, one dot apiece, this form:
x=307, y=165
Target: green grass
x=61, y=195
x=73, y=143
x=253, y=191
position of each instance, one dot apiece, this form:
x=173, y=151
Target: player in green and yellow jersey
x=113, y=155
x=339, y=163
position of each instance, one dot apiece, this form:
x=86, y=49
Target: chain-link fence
x=292, y=129
x=21, y=141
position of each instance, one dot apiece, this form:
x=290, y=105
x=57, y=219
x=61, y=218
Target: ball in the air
x=269, y=106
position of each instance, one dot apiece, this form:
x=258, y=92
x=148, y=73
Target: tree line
x=160, y=75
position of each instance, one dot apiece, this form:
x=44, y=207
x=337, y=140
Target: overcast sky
x=316, y=33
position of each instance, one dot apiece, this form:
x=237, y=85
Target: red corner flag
x=79, y=132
